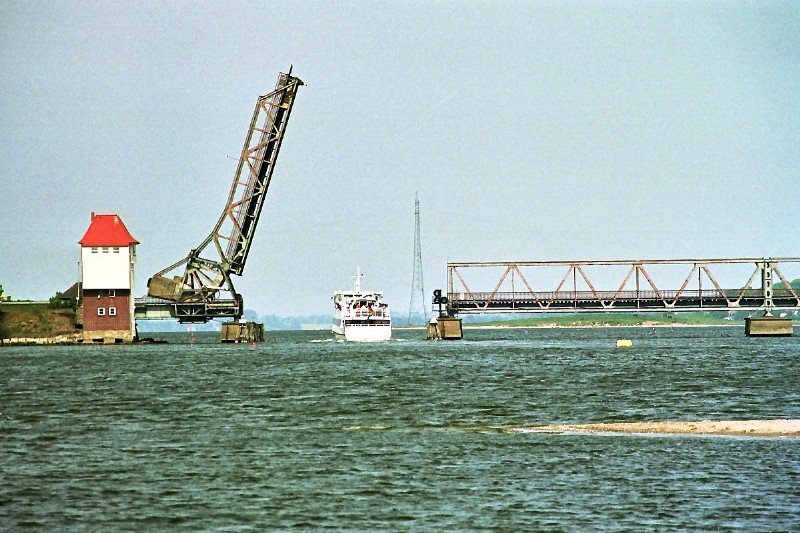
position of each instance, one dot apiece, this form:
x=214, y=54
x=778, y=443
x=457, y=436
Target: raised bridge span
x=199, y=287
x=666, y=285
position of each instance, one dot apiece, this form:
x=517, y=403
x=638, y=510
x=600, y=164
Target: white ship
x=361, y=315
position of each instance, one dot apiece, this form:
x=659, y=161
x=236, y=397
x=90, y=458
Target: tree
x=795, y=284
x=58, y=302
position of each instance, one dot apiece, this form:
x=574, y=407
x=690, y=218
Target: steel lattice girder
x=647, y=294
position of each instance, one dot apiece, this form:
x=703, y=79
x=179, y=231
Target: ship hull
x=362, y=332
x=369, y=333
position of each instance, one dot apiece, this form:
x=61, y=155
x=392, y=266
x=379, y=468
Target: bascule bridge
x=199, y=287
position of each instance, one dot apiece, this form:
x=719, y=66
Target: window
x=115, y=249
x=101, y=311
x=112, y=293
x=112, y=311
x=94, y=249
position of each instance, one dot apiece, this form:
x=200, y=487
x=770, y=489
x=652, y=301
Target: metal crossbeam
x=639, y=289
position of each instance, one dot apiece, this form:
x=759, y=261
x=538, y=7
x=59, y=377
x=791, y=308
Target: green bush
x=57, y=302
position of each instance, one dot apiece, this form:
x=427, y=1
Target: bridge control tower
x=108, y=256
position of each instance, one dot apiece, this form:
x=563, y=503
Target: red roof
x=107, y=230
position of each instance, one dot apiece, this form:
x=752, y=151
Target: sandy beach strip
x=750, y=428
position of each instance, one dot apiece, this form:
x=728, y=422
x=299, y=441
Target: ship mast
x=357, y=278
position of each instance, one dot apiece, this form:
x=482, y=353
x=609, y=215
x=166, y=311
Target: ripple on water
x=400, y=435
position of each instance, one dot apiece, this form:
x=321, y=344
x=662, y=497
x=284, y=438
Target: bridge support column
x=766, y=285
x=446, y=328
x=767, y=325
x=242, y=332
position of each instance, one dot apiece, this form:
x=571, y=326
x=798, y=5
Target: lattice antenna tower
x=417, y=304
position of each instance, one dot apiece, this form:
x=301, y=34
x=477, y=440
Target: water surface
x=408, y=434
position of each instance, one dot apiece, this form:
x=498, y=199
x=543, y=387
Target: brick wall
x=94, y=299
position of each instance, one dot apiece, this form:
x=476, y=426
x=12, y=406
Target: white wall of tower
x=106, y=267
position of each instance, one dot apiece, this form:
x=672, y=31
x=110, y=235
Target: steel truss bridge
x=636, y=285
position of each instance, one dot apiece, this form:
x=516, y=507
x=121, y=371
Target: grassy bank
x=35, y=320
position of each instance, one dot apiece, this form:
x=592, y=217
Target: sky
x=530, y=130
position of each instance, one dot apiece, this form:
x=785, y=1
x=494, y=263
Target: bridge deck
x=605, y=301
x=152, y=308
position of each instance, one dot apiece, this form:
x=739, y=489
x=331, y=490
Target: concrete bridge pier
x=768, y=326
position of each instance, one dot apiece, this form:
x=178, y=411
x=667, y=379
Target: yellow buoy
x=624, y=343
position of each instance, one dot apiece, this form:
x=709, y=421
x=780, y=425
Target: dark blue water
x=408, y=434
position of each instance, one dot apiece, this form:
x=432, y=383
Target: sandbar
x=750, y=428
